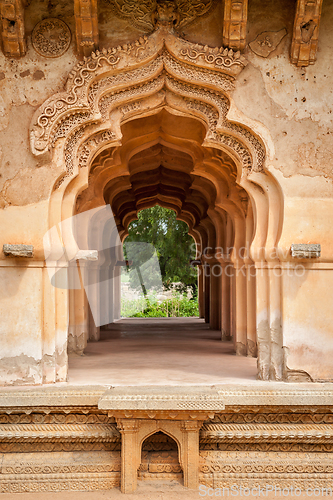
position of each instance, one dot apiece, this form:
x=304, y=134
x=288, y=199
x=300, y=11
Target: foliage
x=177, y=306
x=174, y=247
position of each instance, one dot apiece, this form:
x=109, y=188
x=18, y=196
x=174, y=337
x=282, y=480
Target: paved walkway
x=163, y=351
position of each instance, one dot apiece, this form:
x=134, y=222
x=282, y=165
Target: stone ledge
x=169, y=398
x=159, y=398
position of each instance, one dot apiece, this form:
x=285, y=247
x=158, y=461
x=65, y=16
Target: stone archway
x=85, y=128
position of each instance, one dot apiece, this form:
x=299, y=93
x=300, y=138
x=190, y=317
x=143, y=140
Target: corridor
x=160, y=351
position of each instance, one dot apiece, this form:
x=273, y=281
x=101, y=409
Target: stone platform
x=89, y=438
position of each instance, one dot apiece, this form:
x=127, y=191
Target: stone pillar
x=251, y=311
x=225, y=309
x=206, y=279
x=251, y=334
x=129, y=454
x=241, y=314
x=215, y=294
x=78, y=314
x=276, y=340
x=94, y=302
x=111, y=294
x=201, y=297
x=263, y=327
x=116, y=292
x=190, y=453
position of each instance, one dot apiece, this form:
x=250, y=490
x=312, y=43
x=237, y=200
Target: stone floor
x=163, y=351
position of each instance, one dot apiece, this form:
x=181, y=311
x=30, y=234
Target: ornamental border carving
x=78, y=120
x=50, y=47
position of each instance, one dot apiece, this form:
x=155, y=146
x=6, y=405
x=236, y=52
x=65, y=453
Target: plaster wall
x=21, y=326
x=307, y=322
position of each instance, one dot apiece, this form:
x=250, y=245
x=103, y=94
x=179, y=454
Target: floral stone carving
x=51, y=37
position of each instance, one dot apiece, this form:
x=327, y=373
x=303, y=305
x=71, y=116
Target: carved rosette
x=51, y=37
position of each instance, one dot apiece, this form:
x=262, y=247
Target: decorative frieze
x=12, y=28
x=306, y=31
x=220, y=469
x=73, y=471
x=153, y=399
x=143, y=15
x=24, y=433
x=308, y=433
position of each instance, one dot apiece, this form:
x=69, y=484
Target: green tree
x=174, y=246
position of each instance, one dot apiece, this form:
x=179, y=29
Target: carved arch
x=164, y=72
x=109, y=88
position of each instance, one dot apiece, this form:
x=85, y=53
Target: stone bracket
x=86, y=19
x=306, y=30
x=18, y=250
x=305, y=251
x=234, y=24
x=12, y=28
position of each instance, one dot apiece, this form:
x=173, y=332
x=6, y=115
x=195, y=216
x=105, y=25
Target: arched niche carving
x=160, y=458
x=134, y=432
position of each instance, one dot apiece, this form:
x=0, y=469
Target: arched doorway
x=154, y=122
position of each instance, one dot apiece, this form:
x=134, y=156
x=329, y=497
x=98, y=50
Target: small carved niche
x=159, y=459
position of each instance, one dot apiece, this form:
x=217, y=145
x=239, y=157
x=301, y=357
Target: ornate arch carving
x=113, y=86
x=157, y=73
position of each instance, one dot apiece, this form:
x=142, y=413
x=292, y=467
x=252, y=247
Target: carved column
x=92, y=289
x=201, y=298
x=225, y=313
x=86, y=19
x=206, y=282
x=234, y=24
x=12, y=28
x=250, y=288
x=215, y=293
x=190, y=453
x=276, y=347
x=116, y=292
x=129, y=454
x=306, y=29
x=263, y=325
